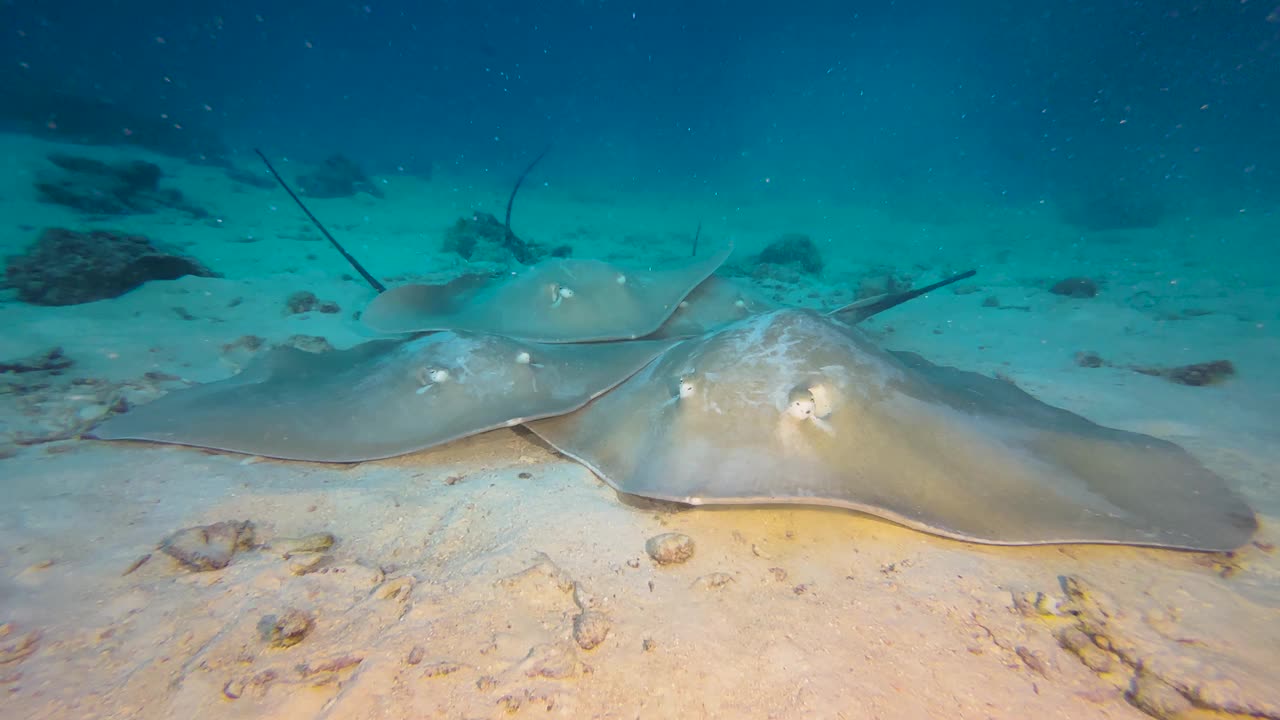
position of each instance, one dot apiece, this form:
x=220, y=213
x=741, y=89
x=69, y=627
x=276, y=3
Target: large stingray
x=792, y=407
x=555, y=301
x=382, y=398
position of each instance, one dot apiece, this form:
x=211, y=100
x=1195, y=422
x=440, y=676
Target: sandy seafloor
x=458, y=573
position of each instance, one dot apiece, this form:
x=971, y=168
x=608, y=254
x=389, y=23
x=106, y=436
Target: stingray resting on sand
x=557, y=300
x=791, y=407
x=742, y=403
x=784, y=406
x=382, y=398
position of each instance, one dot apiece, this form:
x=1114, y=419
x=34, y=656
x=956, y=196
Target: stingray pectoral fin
x=402, y=308
x=382, y=398
x=714, y=303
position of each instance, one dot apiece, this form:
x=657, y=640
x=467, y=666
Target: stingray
x=554, y=301
x=790, y=406
x=718, y=301
x=715, y=302
x=382, y=398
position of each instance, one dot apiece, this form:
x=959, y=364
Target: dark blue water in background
x=1125, y=111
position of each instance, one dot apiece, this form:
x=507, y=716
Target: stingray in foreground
x=791, y=407
x=382, y=398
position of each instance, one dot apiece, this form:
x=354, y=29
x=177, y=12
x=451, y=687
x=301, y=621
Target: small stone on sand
x=669, y=548
x=713, y=581
x=209, y=547
x=590, y=628
x=287, y=629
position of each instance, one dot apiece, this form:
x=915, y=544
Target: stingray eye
x=683, y=304
x=432, y=375
x=622, y=279
x=811, y=404
x=805, y=404
x=801, y=408
x=429, y=376
x=686, y=388
x=740, y=304
x=523, y=358
x=560, y=293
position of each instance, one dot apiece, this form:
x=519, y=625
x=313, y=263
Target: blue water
x=1153, y=103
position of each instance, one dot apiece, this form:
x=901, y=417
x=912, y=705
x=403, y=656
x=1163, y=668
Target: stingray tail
x=373, y=282
x=855, y=313
x=517, y=246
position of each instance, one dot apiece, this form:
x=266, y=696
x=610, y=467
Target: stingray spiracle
x=524, y=358
x=430, y=376
x=560, y=293
x=684, y=390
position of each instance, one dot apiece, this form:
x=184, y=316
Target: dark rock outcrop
x=64, y=267
x=92, y=186
x=1076, y=287
x=338, y=176
x=483, y=237
x=793, y=249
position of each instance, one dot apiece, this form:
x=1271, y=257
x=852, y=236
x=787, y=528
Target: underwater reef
x=794, y=249
x=337, y=177
x=65, y=267
x=94, y=187
x=484, y=237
